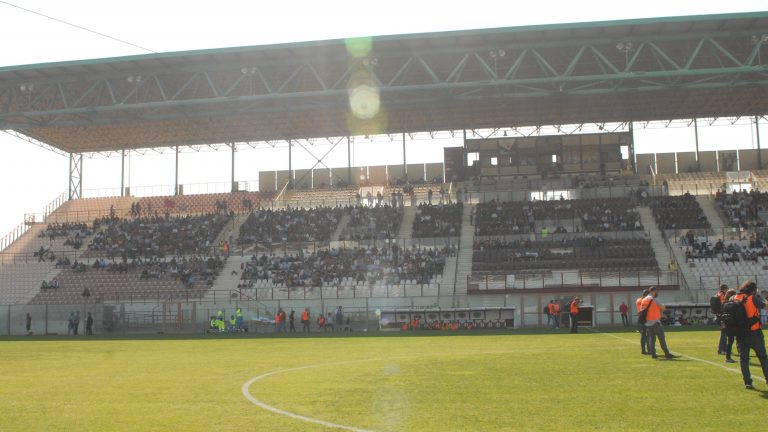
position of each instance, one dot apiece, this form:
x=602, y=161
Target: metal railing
x=570, y=279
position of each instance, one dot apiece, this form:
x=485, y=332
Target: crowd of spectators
x=442, y=220
x=678, y=212
x=743, y=208
x=66, y=229
x=698, y=248
x=592, y=215
x=380, y=222
x=389, y=265
x=290, y=225
x=157, y=236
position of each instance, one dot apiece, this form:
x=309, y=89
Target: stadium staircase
x=658, y=244
x=713, y=216
x=464, y=256
x=406, y=225
x=340, y=229
x=663, y=255
x=226, y=279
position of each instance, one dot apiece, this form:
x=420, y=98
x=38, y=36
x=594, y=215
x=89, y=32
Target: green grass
x=521, y=381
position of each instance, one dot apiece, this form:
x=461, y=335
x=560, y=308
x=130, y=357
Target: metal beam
x=757, y=136
x=75, y=176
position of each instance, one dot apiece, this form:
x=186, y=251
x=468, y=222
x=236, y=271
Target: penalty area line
x=711, y=363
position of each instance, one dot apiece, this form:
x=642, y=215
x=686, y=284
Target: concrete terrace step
x=406, y=226
x=464, y=259
x=713, y=216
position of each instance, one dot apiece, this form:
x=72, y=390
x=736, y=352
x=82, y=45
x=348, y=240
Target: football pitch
x=536, y=380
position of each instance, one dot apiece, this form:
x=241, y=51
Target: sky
x=32, y=177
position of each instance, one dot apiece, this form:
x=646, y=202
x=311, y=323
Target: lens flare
x=364, y=101
x=359, y=47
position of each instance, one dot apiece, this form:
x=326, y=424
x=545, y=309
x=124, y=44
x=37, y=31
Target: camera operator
x=753, y=337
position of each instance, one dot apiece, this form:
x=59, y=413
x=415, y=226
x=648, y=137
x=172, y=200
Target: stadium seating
x=677, y=212
x=372, y=223
x=742, y=209
x=442, y=220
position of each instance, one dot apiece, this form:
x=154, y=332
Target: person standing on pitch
x=291, y=319
x=574, y=310
x=752, y=338
x=305, y=320
x=89, y=325
x=653, y=322
x=29, y=324
x=624, y=318
x=720, y=296
x=644, y=346
x=728, y=348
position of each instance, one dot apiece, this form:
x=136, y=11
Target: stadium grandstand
x=545, y=198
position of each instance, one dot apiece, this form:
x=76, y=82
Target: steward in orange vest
x=653, y=322
x=305, y=320
x=574, y=310
x=752, y=339
x=645, y=349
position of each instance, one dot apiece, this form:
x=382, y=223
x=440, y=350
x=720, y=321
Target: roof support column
x=122, y=172
x=75, y=176
x=290, y=165
x=757, y=135
x=405, y=164
x=232, y=182
x=631, y=155
x=176, y=177
x=349, y=161
x=696, y=132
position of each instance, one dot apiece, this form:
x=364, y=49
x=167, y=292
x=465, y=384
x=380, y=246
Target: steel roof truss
x=516, y=65
x=400, y=72
x=429, y=70
x=725, y=52
x=290, y=78
x=455, y=74
x=211, y=84
x=487, y=68
x=317, y=77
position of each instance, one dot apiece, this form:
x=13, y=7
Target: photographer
x=753, y=336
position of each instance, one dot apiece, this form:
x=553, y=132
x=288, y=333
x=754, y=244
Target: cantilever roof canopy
x=631, y=70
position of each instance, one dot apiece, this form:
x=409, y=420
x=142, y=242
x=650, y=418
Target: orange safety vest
x=639, y=304
x=654, y=311
x=305, y=316
x=551, y=308
x=574, y=308
x=721, y=296
x=277, y=318
x=557, y=309
x=752, y=312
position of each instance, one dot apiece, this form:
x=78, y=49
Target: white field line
x=295, y=416
x=729, y=369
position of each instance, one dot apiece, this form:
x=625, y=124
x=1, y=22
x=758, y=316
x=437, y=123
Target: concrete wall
x=708, y=161
x=266, y=181
x=434, y=171
x=303, y=179
x=686, y=162
x=378, y=174
x=415, y=172
x=665, y=163
x=321, y=178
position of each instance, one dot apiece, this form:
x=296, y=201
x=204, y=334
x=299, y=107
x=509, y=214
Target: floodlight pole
x=696, y=132
x=757, y=136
